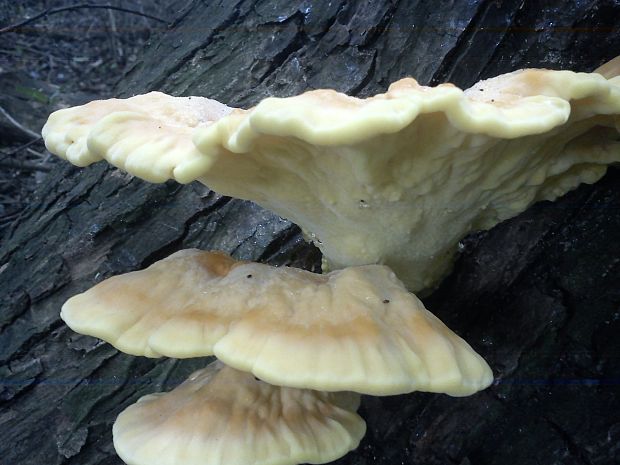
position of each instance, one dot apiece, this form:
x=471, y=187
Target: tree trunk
x=537, y=295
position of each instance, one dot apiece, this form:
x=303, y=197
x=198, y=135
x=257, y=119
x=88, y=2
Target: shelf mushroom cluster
x=394, y=180
x=314, y=342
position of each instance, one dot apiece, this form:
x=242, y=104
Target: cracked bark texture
x=537, y=296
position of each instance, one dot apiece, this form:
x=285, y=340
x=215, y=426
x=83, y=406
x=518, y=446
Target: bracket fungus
x=356, y=329
x=221, y=416
x=398, y=178
x=392, y=180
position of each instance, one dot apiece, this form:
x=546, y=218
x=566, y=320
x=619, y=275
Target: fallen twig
x=25, y=165
x=52, y=11
x=18, y=125
x=116, y=49
x=39, y=155
x=21, y=147
x=10, y=217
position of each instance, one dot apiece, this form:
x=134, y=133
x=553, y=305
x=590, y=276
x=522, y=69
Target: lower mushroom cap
x=356, y=329
x=221, y=416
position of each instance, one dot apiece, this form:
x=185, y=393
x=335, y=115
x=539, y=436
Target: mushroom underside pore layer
x=398, y=178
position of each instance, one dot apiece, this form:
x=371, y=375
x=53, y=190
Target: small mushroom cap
x=399, y=178
x=221, y=416
x=356, y=329
x=149, y=135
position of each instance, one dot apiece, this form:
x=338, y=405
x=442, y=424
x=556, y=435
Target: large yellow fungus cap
x=398, y=178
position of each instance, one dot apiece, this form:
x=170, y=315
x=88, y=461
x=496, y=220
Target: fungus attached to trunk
x=398, y=178
x=356, y=329
x=221, y=416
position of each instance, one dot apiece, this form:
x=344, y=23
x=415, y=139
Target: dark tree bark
x=537, y=296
